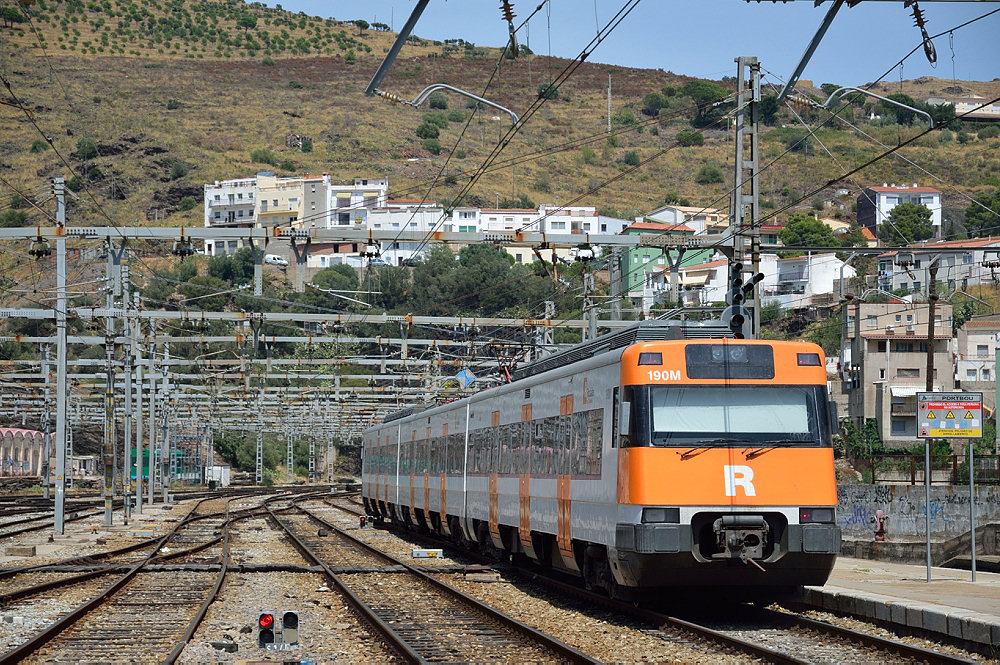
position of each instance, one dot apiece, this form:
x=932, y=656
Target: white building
x=957, y=268
x=876, y=203
x=229, y=204
x=806, y=281
x=704, y=221
x=349, y=204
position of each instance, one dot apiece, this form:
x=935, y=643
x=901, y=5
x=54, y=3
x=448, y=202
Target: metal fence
x=945, y=469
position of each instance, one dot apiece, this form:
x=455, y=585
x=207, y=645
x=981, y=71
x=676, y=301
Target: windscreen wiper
x=709, y=443
x=771, y=445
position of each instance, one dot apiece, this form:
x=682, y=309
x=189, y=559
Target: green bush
x=548, y=91
x=267, y=61
x=428, y=130
x=178, y=170
x=295, y=85
x=263, y=156
x=187, y=203
x=451, y=179
x=690, y=137
x=456, y=115
x=286, y=166
x=460, y=154
x=989, y=132
x=436, y=118
x=438, y=100
x=307, y=144
x=38, y=145
x=709, y=174
x=623, y=117
x=74, y=184
x=349, y=57
x=589, y=156
x=173, y=104
x=86, y=149
x=432, y=146
x=631, y=158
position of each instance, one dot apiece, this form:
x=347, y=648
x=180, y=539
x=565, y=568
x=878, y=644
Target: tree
x=982, y=217
x=903, y=116
x=13, y=218
x=247, y=22
x=652, y=103
x=705, y=94
x=9, y=16
x=548, y=91
x=908, y=222
x=689, y=137
x=708, y=174
x=768, y=110
x=86, y=149
x=801, y=230
x=438, y=100
x=427, y=130
x=362, y=25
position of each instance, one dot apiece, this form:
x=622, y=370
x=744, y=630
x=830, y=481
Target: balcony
x=225, y=203
x=904, y=409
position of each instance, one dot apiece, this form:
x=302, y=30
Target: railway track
x=144, y=612
x=422, y=618
x=767, y=635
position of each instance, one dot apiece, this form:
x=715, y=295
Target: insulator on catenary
x=508, y=10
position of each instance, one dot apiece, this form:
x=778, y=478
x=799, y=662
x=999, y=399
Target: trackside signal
x=290, y=627
x=265, y=629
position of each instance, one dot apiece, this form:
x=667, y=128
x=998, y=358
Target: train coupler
x=742, y=537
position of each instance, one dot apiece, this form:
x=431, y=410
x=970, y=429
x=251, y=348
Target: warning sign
x=930, y=424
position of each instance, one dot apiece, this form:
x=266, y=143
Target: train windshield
x=738, y=415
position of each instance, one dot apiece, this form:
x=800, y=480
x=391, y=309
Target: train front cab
x=725, y=475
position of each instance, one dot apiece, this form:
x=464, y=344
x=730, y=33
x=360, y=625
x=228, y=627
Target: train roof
x=643, y=331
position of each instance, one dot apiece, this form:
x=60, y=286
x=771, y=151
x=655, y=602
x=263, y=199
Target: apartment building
x=876, y=203
x=976, y=343
x=229, y=204
x=805, y=281
x=884, y=363
x=704, y=221
x=960, y=263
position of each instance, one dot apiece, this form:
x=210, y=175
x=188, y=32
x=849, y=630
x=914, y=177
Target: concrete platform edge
x=953, y=621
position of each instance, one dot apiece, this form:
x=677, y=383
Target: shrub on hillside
x=432, y=146
x=428, y=130
x=438, y=100
x=708, y=174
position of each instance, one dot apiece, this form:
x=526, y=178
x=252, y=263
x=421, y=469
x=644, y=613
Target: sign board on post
x=949, y=415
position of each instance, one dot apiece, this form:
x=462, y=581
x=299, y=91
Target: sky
x=701, y=38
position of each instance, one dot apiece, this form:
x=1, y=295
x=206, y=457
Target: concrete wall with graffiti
x=905, y=507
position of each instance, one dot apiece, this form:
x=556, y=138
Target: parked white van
x=275, y=260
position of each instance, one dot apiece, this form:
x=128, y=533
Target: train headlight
x=670, y=515
x=816, y=515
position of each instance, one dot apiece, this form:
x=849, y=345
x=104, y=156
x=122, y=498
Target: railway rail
x=768, y=635
x=145, y=610
x=422, y=618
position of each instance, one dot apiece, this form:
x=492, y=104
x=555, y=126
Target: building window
x=872, y=321
x=218, y=215
x=982, y=350
x=239, y=213
x=937, y=320
x=518, y=258
x=909, y=318
x=916, y=287
x=908, y=372
x=216, y=197
x=966, y=258
x=986, y=374
x=880, y=346
x=558, y=226
x=970, y=375
x=274, y=202
x=898, y=426
x=881, y=373
x=899, y=317
x=343, y=218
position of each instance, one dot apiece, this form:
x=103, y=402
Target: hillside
x=178, y=94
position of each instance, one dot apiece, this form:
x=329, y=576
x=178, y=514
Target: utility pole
x=138, y=408
x=165, y=443
x=152, y=410
x=129, y=349
x=589, y=311
x=59, y=524
x=259, y=476
x=46, y=427
x=743, y=220
x=609, y=103
x=109, y=426
x=289, y=447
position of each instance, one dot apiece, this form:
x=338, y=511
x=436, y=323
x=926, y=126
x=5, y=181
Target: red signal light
x=266, y=620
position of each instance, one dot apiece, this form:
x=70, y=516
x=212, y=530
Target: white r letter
x=739, y=475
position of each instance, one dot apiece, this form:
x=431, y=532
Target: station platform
x=951, y=603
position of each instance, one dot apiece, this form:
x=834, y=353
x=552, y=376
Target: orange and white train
x=643, y=460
